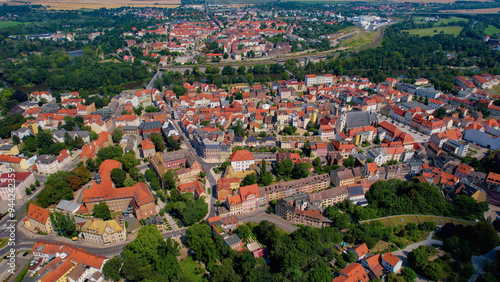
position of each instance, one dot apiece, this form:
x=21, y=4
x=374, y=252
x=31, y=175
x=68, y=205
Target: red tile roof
x=242, y=155
x=38, y=213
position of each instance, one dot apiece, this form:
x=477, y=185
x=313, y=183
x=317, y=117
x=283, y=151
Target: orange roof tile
x=38, y=214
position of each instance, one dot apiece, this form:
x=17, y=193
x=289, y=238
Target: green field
x=418, y=20
x=454, y=30
x=404, y=219
x=8, y=23
x=361, y=39
x=188, y=266
x=492, y=30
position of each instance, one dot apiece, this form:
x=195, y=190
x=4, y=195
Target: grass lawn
x=3, y=242
x=421, y=20
x=495, y=90
x=492, y=30
x=454, y=30
x=380, y=246
x=404, y=219
x=8, y=23
x=361, y=39
x=188, y=266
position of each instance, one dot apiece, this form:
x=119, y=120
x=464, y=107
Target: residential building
x=87, y=265
x=38, y=220
x=297, y=209
x=250, y=197
x=329, y=197
x=391, y=263
x=241, y=160
x=103, y=232
x=20, y=180
x=360, y=251
x=234, y=242
x=286, y=189
x=195, y=187
x=352, y=272
x=148, y=148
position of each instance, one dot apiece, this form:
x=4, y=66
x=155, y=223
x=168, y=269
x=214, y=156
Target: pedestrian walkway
x=171, y=222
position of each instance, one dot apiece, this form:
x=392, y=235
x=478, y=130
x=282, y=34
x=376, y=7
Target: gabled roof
x=38, y=214
x=391, y=259
x=242, y=155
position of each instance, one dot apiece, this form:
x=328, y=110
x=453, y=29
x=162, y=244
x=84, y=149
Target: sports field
x=454, y=30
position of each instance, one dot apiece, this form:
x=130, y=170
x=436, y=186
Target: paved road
x=261, y=215
x=403, y=254
x=152, y=81
x=207, y=168
x=479, y=262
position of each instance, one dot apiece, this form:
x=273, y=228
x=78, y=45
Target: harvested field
x=97, y=4
x=379, y=1
x=473, y=11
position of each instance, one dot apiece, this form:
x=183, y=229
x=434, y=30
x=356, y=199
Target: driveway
x=479, y=262
x=261, y=215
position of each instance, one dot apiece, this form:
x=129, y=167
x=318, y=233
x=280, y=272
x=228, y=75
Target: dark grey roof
x=232, y=240
x=359, y=119
x=415, y=104
x=356, y=191
x=150, y=125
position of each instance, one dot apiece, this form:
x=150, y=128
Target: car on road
x=4, y=226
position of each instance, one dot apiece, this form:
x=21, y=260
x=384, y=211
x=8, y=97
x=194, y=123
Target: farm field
x=491, y=30
x=473, y=11
x=410, y=1
x=418, y=20
x=97, y=4
x=454, y=30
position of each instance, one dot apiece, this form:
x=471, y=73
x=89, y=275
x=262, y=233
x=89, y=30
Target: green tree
x=285, y=167
x=301, y=170
x=64, y=224
x=84, y=174
x=111, y=269
x=118, y=176
x=128, y=182
x=74, y=182
x=102, y=211
x=408, y=274
x=151, y=258
x=349, y=162
x=249, y=179
x=158, y=141
x=117, y=135
x=243, y=231
x=169, y=180
x=15, y=140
